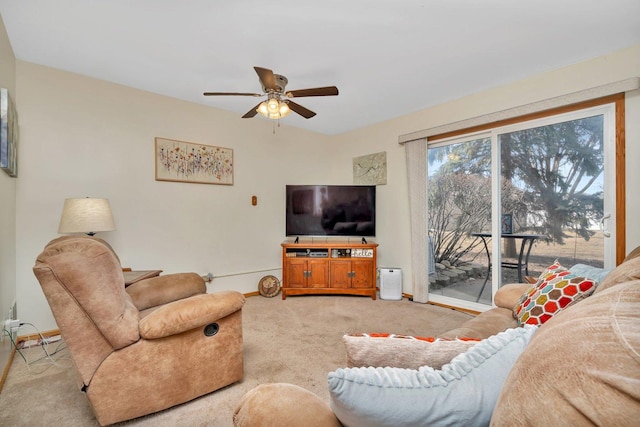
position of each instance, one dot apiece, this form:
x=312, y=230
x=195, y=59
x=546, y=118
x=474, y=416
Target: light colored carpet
x=297, y=341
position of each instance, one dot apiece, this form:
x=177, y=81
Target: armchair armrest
x=161, y=290
x=189, y=313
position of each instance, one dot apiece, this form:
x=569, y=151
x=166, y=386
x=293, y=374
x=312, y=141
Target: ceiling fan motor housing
x=280, y=83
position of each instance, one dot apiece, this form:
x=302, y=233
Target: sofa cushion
x=581, y=368
x=508, y=295
x=633, y=254
x=627, y=271
x=402, y=351
x=556, y=289
x=462, y=393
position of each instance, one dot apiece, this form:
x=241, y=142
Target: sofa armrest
x=161, y=290
x=508, y=295
x=484, y=325
x=189, y=313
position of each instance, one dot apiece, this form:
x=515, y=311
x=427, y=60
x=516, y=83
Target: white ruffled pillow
x=462, y=393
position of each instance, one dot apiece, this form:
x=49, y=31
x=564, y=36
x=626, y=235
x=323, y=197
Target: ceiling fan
x=278, y=103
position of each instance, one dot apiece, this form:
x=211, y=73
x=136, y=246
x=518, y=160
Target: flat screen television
x=331, y=210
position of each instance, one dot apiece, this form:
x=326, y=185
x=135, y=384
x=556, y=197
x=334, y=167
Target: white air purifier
x=390, y=283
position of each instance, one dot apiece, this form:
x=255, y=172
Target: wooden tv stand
x=339, y=267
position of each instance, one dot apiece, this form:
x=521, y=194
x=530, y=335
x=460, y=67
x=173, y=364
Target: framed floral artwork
x=182, y=161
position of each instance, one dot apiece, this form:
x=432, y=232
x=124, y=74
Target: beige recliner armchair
x=158, y=343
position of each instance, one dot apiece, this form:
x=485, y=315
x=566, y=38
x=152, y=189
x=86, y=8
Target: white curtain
x=416, y=152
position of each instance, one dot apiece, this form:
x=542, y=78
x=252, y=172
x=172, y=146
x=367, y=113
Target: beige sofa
x=582, y=367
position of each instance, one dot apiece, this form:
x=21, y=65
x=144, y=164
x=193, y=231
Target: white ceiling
x=387, y=57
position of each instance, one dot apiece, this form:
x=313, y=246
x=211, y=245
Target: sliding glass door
x=504, y=204
x=458, y=207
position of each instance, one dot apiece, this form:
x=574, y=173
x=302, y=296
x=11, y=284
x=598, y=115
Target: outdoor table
x=523, y=258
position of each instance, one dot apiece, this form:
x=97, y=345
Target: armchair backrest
x=82, y=280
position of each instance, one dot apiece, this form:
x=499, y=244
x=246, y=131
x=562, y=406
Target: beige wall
x=84, y=137
x=393, y=202
x=7, y=203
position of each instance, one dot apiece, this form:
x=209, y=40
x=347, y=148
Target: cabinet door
x=362, y=276
x=340, y=274
x=318, y=273
x=296, y=273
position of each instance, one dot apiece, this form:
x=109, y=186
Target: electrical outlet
x=10, y=324
x=7, y=318
x=12, y=313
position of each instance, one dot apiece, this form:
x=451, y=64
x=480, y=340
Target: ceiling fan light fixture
x=273, y=109
x=284, y=109
x=273, y=105
x=262, y=109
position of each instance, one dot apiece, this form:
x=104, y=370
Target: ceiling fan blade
x=230, y=94
x=266, y=78
x=317, y=91
x=304, y=112
x=252, y=112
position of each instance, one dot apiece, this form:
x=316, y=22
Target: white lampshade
x=86, y=215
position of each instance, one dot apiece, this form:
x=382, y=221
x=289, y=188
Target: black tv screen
x=331, y=210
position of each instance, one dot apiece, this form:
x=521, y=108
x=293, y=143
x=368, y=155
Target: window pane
x=459, y=204
x=553, y=185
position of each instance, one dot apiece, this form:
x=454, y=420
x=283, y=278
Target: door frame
x=613, y=107
x=620, y=167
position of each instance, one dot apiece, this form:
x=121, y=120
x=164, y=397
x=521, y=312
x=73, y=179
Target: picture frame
x=370, y=169
x=507, y=224
x=181, y=161
x=8, y=134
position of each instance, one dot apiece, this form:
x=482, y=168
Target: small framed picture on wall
x=8, y=135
